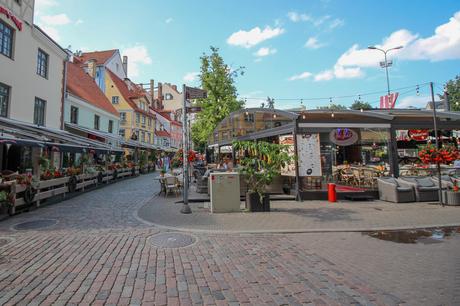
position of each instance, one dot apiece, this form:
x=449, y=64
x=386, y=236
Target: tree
x=358, y=105
x=453, y=91
x=334, y=107
x=217, y=78
x=270, y=103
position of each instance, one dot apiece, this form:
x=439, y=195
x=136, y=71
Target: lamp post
x=386, y=64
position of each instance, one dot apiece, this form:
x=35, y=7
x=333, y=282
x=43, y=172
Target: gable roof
x=101, y=57
x=129, y=95
x=80, y=84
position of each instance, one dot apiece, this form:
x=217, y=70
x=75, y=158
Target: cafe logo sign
x=418, y=135
x=343, y=137
x=9, y=15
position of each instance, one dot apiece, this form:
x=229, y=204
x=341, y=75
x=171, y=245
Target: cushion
x=391, y=180
x=425, y=182
x=428, y=188
x=405, y=189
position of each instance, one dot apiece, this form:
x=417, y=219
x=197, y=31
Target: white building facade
x=32, y=68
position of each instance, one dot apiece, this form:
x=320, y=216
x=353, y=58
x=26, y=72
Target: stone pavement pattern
x=100, y=253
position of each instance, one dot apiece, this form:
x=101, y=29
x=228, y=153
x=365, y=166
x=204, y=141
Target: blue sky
x=291, y=49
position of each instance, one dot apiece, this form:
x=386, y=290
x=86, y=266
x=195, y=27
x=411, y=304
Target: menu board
x=309, y=155
x=289, y=169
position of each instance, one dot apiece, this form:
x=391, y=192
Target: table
x=451, y=197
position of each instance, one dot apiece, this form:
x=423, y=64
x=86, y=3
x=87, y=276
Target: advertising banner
x=288, y=140
x=309, y=155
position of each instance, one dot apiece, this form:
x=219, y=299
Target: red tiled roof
x=80, y=84
x=101, y=57
x=162, y=134
x=127, y=94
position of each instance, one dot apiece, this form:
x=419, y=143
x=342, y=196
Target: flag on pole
x=388, y=101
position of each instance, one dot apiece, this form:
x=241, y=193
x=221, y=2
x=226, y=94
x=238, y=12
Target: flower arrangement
x=178, y=158
x=429, y=154
x=71, y=171
x=51, y=174
x=24, y=179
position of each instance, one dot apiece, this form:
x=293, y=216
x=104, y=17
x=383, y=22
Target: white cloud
x=444, y=44
x=319, y=21
x=336, y=23
x=43, y=4
x=79, y=21
x=137, y=55
x=191, y=76
x=51, y=31
x=265, y=52
x=169, y=20
x=296, y=17
x=325, y=75
x=54, y=20
x=302, y=76
x=313, y=43
x=413, y=101
x=248, y=39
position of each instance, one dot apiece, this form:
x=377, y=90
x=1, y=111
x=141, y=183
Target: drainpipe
x=64, y=91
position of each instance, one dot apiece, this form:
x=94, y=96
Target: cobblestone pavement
x=100, y=253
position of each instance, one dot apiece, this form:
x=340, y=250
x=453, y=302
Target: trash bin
x=331, y=193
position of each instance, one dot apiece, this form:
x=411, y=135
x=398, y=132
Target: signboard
x=289, y=169
x=343, y=137
x=418, y=135
x=13, y=18
x=194, y=109
x=388, y=101
x=309, y=155
x=195, y=93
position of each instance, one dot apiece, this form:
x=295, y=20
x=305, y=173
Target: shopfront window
x=353, y=158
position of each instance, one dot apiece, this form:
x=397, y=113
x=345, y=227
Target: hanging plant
x=430, y=154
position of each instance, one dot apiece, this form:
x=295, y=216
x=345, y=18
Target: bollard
x=331, y=193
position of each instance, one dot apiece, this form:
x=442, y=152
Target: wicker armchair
x=425, y=189
x=446, y=181
x=391, y=190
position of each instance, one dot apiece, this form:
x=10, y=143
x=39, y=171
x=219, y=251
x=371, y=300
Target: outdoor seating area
x=171, y=183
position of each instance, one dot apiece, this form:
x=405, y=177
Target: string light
x=274, y=116
x=417, y=90
x=332, y=115
x=362, y=110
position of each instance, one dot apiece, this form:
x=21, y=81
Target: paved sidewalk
x=99, y=253
x=307, y=216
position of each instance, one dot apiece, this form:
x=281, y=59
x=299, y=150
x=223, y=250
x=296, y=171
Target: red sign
x=388, y=101
x=13, y=18
x=418, y=135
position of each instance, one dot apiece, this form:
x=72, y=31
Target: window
x=115, y=99
x=39, y=111
x=123, y=117
x=143, y=119
x=74, y=115
x=168, y=96
x=150, y=121
x=96, y=122
x=148, y=137
x=143, y=136
x=121, y=132
x=110, y=126
x=138, y=118
x=249, y=117
x=42, y=63
x=4, y=100
x=6, y=39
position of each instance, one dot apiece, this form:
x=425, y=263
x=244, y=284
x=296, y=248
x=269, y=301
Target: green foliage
x=261, y=162
x=143, y=160
x=358, y=105
x=453, y=90
x=333, y=107
x=217, y=78
x=44, y=163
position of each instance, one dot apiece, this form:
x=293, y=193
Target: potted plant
x=162, y=171
x=260, y=163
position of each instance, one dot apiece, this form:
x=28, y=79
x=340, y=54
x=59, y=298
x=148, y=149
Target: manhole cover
x=172, y=240
x=35, y=224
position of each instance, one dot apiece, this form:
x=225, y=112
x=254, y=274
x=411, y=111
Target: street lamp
x=386, y=63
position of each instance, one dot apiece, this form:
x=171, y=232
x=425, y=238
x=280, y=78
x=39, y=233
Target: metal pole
x=185, y=207
x=386, y=69
x=435, y=125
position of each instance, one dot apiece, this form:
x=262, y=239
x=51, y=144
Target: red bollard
x=331, y=193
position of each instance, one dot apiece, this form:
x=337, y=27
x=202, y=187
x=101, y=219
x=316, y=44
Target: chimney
x=174, y=87
x=160, y=95
x=92, y=68
x=125, y=64
x=152, y=91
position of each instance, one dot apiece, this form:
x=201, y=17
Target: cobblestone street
x=97, y=251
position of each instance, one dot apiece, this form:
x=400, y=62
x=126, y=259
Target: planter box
x=253, y=202
x=53, y=182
